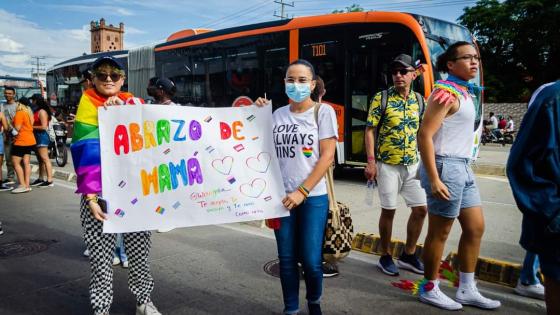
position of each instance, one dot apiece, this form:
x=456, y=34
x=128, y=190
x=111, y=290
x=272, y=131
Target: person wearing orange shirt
x=23, y=145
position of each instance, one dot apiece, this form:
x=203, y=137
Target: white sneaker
x=20, y=189
x=147, y=309
x=165, y=230
x=125, y=264
x=116, y=261
x=469, y=295
x=535, y=291
x=86, y=253
x=437, y=298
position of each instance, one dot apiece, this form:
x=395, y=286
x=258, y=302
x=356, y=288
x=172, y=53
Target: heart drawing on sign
x=223, y=166
x=259, y=163
x=253, y=189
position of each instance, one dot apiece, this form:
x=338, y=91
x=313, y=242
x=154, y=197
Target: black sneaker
x=46, y=184
x=1, y=231
x=37, y=182
x=9, y=181
x=411, y=262
x=4, y=187
x=329, y=270
x=314, y=309
x=387, y=266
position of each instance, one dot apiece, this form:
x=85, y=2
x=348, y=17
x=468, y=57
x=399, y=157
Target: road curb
x=489, y=169
x=487, y=269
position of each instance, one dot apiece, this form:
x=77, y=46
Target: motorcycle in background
x=57, y=146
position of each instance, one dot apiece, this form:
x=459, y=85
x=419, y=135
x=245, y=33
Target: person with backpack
x=392, y=158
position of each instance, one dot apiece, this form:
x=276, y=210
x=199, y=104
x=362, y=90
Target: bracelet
x=370, y=158
x=303, y=191
x=94, y=199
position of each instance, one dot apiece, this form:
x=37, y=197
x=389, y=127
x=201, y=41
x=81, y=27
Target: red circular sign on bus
x=242, y=101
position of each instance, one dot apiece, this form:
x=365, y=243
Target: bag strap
x=329, y=179
x=383, y=105
x=421, y=104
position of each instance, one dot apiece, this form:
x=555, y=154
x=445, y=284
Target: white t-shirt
x=494, y=121
x=296, y=138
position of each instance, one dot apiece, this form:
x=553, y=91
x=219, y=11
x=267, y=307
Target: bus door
x=366, y=76
x=369, y=52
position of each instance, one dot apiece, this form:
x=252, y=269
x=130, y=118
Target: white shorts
x=393, y=180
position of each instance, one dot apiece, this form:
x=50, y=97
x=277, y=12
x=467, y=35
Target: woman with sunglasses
x=446, y=139
x=108, y=78
x=305, y=147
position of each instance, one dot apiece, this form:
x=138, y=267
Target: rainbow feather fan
x=447, y=272
x=417, y=287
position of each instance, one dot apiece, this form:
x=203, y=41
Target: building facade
x=106, y=37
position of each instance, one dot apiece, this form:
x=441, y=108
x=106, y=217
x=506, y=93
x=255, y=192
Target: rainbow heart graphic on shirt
x=307, y=151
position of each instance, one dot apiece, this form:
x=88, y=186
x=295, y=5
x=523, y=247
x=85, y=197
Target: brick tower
x=106, y=37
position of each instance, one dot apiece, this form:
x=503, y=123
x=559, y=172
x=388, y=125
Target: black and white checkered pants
x=101, y=250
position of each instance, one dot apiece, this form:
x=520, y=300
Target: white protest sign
x=173, y=166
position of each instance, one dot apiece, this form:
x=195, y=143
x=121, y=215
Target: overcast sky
x=59, y=29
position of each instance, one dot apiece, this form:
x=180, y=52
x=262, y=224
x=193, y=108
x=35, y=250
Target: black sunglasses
x=401, y=71
x=103, y=76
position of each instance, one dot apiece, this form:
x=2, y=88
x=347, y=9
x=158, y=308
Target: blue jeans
x=300, y=239
x=530, y=268
x=119, y=248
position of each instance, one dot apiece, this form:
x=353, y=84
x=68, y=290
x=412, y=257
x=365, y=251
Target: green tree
x=519, y=41
x=352, y=8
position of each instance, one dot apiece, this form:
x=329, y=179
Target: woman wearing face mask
x=305, y=148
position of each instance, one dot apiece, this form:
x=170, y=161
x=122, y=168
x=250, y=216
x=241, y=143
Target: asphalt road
x=200, y=270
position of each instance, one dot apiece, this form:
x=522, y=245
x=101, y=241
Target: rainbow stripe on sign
x=160, y=210
x=307, y=152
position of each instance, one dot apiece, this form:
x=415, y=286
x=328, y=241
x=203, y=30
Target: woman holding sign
x=108, y=78
x=305, y=147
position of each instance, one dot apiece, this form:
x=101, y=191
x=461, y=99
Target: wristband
x=370, y=158
x=304, y=189
x=94, y=199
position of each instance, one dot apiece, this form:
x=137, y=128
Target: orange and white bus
x=350, y=51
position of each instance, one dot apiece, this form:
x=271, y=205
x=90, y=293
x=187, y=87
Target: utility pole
x=282, y=4
x=38, y=66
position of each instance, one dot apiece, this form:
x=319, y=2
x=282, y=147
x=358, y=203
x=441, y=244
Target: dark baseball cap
x=166, y=85
x=86, y=75
x=107, y=59
x=402, y=60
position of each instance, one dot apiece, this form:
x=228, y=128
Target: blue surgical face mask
x=298, y=91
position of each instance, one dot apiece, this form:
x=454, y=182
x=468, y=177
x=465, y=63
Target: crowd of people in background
x=433, y=177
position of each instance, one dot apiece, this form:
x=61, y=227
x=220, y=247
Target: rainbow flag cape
x=85, y=147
